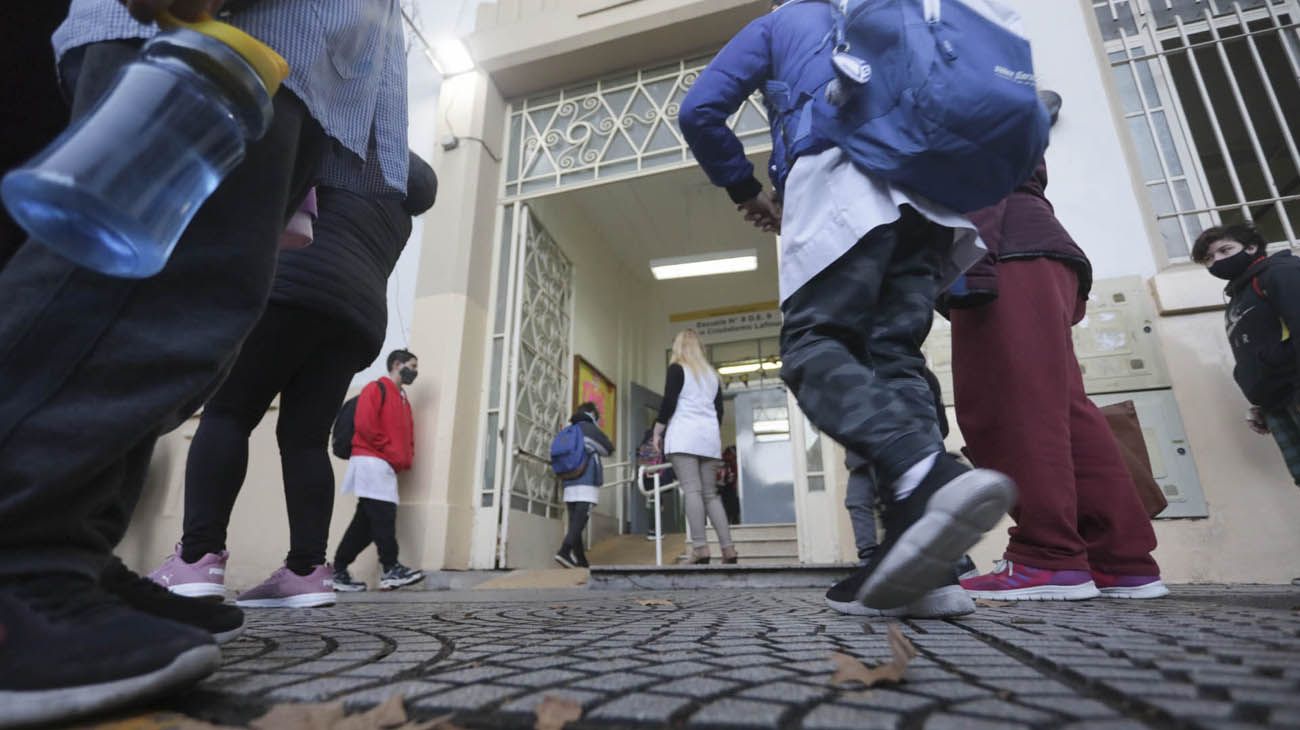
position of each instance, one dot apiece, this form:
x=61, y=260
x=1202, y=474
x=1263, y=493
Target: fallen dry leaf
x=986, y=603
x=300, y=717
x=655, y=602
x=559, y=606
x=437, y=723
x=849, y=669
x=391, y=714
x=153, y=721
x=555, y=712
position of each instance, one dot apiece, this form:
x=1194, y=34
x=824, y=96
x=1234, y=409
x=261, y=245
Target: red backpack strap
x=1254, y=284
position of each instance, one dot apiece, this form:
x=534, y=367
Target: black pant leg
x=578, y=516
x=829, y=323
x=308, y=405
x=355, y=539
x=98, y=366
x=32, y=111
x=383, y=529
x=218, y=457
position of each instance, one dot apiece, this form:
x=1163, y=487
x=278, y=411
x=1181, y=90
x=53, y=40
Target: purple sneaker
x=1018, y=582
x=287, y=589
x=204, y=578
x=1129, y=586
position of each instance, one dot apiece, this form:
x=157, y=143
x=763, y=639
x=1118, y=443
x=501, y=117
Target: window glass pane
x=1167, y=146
x=1175, y=242
x=494, y=375
x=1146, y=149
x=816, y=484
x=813, y=441
x=1124, y=83
x=1160, y=200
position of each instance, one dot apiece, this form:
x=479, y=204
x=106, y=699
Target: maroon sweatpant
x=1022, y=408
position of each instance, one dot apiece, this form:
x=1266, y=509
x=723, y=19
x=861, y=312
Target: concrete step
x=764, y=548
x=746, y=533
x=715, y=576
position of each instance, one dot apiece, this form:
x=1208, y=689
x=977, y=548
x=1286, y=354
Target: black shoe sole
x=956, y=517
x=19, y=708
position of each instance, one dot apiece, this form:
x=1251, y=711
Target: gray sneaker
x=399, y=575
x=344, y=583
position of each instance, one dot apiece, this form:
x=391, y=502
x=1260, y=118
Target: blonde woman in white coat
x=689, y=433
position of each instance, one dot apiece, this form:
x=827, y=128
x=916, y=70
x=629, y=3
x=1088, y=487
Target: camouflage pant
x=851, y=345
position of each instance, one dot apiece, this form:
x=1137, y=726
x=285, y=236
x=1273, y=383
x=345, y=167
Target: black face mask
x=1233, y=266
x=407, y=375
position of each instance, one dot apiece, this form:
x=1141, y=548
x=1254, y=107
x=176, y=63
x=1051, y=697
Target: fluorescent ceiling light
x=773, y=426
x=452, y=57
x=726, y=262
x=772, y=365
x=748, y=367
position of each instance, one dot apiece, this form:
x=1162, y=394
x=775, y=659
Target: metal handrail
x=657, y=489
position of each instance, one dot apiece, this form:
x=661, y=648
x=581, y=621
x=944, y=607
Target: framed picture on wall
x=589, y=384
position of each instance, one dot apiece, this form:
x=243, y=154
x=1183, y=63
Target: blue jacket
x=785, y=53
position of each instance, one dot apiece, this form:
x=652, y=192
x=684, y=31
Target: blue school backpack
x=936, y=96
x=569, y=452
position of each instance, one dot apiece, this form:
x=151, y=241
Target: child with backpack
x=869, y=230
x=1263, y=310
x=383, y=446
x=575, y=458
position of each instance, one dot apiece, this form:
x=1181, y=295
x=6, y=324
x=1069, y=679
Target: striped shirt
x=348, y=65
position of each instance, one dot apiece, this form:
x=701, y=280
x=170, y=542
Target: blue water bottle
x=116, y=190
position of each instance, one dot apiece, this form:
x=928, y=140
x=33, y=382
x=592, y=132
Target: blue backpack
x=569, y=452
x=936, y=96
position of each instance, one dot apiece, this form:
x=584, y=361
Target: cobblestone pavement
x=1214, y=658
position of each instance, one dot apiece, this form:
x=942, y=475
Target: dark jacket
x=344, y=272
x=1263, y=310
x=1022, y=226
x=598, y=445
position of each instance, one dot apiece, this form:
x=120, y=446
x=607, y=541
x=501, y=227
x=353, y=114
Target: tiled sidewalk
x=1206, y=657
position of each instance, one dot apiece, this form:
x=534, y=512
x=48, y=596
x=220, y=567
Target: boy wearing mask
x=383, y=445
x=1263, y=310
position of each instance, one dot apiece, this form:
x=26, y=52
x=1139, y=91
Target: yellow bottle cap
x=269, y=65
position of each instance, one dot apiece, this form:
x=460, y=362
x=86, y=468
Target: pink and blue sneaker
x=1129, y=586
x=204, y=578
x=287, y=589
x=1018, y=582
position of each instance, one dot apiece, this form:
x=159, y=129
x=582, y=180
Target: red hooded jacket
x=384, y=426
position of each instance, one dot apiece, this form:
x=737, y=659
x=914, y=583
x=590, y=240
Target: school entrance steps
x=714, y=576
x=772, y=544
x=775, y=544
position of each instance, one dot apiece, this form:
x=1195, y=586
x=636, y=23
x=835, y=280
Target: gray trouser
x=699, y=480
x=860, y=501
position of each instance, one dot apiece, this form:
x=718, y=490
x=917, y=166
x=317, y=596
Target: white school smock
x=371, y=477
x=830, y=204
x=694, y=429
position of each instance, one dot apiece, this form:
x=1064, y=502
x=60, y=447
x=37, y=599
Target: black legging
x=308, y=359
x=578, y=513
x=375, y=521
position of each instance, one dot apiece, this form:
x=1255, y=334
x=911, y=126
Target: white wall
x=1089, y=179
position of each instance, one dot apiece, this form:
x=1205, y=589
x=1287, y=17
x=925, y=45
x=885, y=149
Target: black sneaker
x=225, y=623
x=966, y=568
x=69, y=649
x=565, y=557
x=343, y=582
x=947, y=601
x=927, y=533
x=399, y=575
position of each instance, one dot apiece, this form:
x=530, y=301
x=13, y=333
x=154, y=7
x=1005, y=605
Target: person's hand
x=1255, y=419
x=763, y=211
x=658, y=444
x=147, y=11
